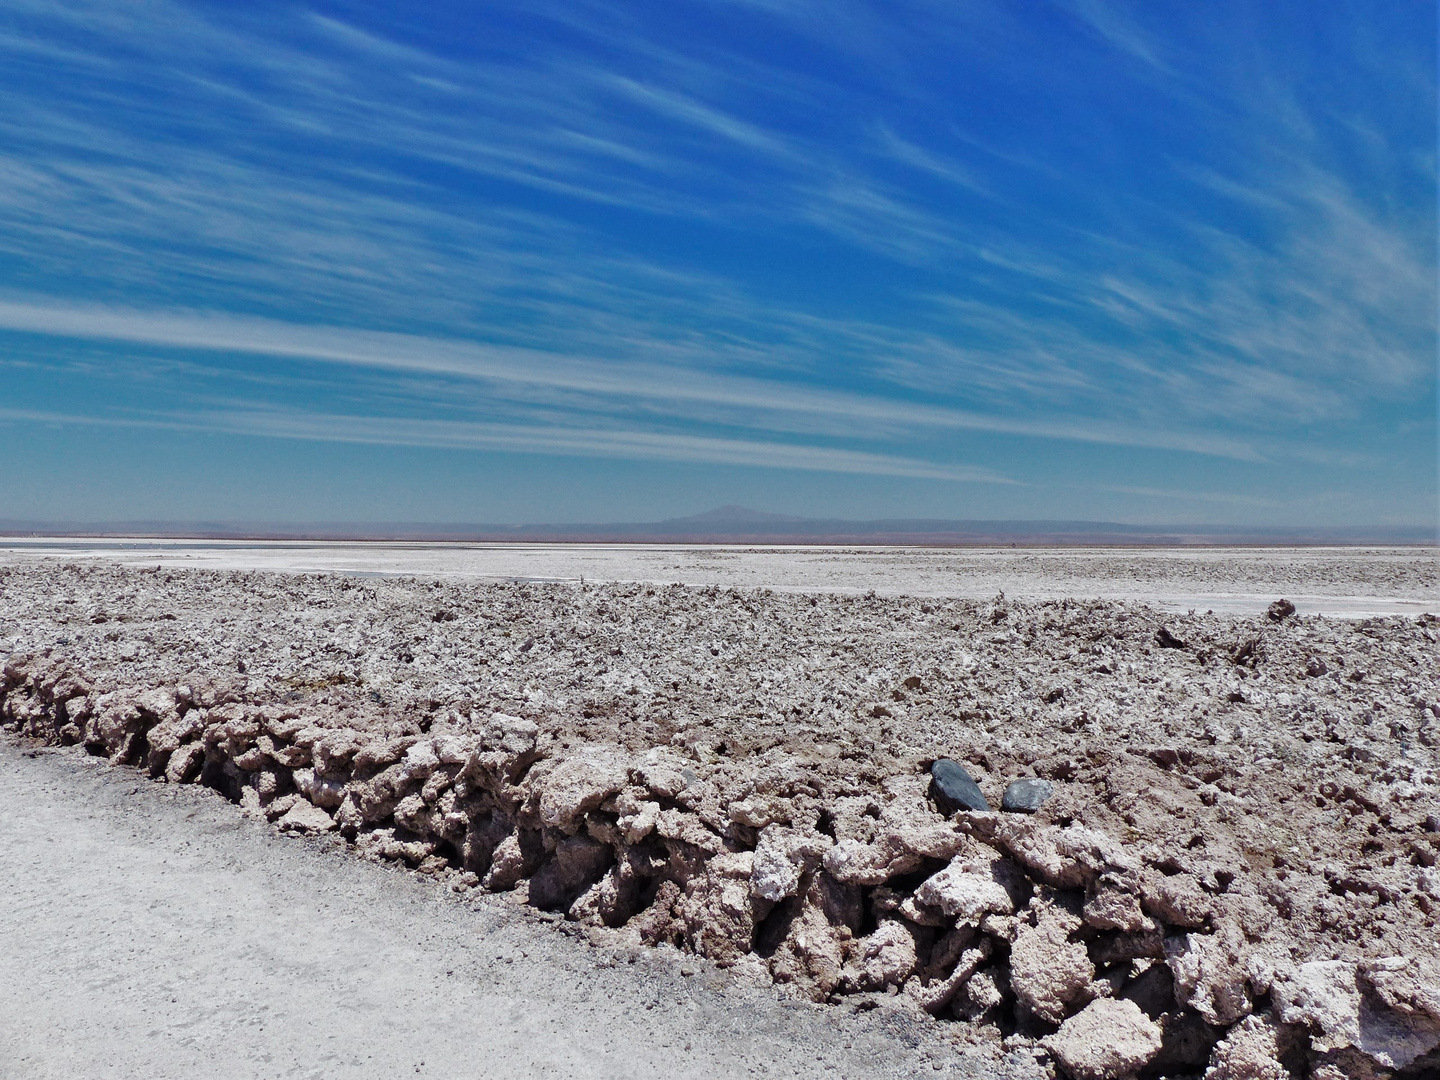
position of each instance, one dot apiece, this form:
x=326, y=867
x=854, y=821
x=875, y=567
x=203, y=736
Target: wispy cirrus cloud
x=528, y=375
x=1114, y=25
x=550, y=439
x=864, y=242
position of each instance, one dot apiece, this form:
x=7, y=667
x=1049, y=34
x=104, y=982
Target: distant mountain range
x=739, y=524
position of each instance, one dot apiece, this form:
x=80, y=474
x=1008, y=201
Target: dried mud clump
x=1234, y=876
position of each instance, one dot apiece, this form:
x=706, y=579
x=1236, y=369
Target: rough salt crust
x=1236, y=873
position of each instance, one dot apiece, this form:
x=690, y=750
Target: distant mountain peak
x=735, y=515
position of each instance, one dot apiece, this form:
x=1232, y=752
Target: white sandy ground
x=152, y=931
x=1346, y=582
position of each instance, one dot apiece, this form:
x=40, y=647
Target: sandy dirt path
x=152, y=931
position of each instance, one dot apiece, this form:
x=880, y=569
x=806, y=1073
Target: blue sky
x=1148, y=262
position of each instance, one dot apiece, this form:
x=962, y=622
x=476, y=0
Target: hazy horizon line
x=741, y=526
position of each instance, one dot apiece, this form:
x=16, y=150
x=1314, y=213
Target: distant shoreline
x=739, y=526
x=869, y=541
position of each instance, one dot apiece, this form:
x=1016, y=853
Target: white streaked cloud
x=689, y=111
x=1114, y=26
x=530, y=373
x=514, y=438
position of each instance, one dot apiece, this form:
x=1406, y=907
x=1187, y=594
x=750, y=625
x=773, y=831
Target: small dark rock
x=1315, y=667
x=1167, y=640
x=913, y=683
x=1281, y=609
x=1025, y=796
x=954, y=788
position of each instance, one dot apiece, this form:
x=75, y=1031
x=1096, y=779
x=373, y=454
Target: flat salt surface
x=1346, y=582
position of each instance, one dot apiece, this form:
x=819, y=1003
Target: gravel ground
x=1235, y=874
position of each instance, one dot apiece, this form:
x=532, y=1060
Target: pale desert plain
x=681, y=796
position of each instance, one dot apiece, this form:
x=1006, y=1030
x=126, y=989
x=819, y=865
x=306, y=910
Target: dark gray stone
x=954, y=788
x=1166, y=640
x=1025, y=796
x=1281, y=609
